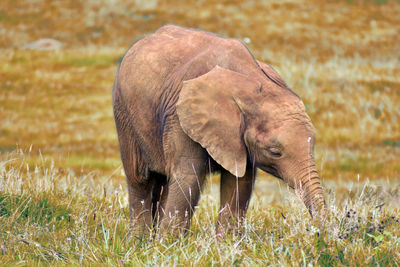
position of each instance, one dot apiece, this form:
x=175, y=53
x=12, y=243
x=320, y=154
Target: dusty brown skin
x=187, y=102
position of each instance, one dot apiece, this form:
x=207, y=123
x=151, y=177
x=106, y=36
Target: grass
x=62, y=188
x=59, y=101
x=48, y=216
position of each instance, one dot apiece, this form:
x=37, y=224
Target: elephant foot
x=173, y=226
x=230, y=226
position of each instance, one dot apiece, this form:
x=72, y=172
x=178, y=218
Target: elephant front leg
x=184, y=189
x=235, y=193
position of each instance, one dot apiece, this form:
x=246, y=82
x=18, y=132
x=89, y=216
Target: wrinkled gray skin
x=188, y=102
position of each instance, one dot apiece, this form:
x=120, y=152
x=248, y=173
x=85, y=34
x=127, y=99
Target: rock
x=44, y=44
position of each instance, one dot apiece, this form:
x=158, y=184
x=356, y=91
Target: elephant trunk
x=310, y=188
x=312, y=195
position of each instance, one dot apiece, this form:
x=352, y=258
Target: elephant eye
x=275, y=152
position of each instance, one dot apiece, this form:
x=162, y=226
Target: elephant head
x=241, y=120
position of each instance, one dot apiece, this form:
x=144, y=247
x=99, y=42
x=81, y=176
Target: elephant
x=188, y=102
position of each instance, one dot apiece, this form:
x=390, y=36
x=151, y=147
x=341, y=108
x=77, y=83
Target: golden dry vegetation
x=341, y=57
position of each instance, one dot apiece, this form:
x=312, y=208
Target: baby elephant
x=188, y=102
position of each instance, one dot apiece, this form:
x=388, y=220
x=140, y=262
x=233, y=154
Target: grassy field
x=62, y=189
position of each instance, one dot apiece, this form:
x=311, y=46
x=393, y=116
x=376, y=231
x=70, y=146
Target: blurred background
x=58, y=60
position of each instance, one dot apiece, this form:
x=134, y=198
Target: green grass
x=102, y=60
x=51, y=216
x=37, y=210
x=358, y=165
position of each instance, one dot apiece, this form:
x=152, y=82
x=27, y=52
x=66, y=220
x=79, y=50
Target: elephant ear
x=272, y=74
x=209, y=115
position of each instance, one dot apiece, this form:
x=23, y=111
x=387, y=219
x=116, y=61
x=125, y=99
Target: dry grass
x=52, y=217
x=341, y=57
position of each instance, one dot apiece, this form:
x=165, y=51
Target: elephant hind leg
x=138, y=182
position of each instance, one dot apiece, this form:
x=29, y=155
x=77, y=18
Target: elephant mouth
x=271, y=170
